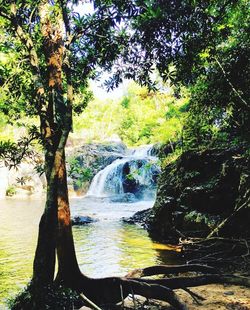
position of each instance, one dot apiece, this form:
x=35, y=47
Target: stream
x=105, y=247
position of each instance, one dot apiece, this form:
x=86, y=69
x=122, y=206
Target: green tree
x=60, y=50
x=48, y=52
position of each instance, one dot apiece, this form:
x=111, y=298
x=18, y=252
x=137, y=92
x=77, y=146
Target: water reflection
x=18, y=234
x=104, y=248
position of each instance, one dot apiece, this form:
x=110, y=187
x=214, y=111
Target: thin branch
x=216, y=230
x=195, y=296
x=230, y=83
x=65, y=19
x=4, y=15
x=31, y=16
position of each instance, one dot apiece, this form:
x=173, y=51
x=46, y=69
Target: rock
x=139, y=177
x=22, y=182
x=140, y=217
x=86, y=161
x=229, y=293
x=200, y=190
x=3, y=180
x=82, y=220
x=126, y=197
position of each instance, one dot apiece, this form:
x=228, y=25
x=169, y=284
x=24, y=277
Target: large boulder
x=86, y=161
x=199, y=191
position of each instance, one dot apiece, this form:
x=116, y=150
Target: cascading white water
x=98, y=184
x=125, y=175
x=142, y=151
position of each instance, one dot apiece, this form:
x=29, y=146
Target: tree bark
x=68, y=269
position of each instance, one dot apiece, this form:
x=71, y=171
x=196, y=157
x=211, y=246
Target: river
x=104, y=248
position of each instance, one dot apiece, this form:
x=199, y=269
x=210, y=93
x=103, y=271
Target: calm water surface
x=104, y=248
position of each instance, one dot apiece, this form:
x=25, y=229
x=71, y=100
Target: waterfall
x=142, y=151
x=97, y=187
x=135, y=173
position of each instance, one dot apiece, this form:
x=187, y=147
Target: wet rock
x=126, y=197
x=86, y=161
x=200, y=190
x=140, y=217
x=82, y=220
x=139, y=177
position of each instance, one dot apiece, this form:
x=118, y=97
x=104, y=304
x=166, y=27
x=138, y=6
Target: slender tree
x=62, y=48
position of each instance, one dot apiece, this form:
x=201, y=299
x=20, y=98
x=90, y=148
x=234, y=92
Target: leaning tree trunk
x=68, y=269
x=55, y=231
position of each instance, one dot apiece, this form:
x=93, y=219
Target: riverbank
x=106, y=247
x=203, y=206
x=217, y=296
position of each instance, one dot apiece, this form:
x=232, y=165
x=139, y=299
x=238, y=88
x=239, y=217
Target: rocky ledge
x=197, y=193
x=85, y=161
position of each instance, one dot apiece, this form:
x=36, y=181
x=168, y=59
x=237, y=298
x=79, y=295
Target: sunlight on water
x=104, y=248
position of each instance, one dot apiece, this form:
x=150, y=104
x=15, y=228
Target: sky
x=101, y=93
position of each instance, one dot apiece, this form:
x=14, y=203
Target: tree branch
x=4, y=14
x=33, y=57
x=170, y=269
x=231, y=85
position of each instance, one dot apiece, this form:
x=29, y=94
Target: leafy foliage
x=203, y=44
x=56, y=297
x=79, y=173
x=138, y=117
x=220, y=96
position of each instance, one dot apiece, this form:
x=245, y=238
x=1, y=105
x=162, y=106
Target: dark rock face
x=130, y=185
x=131, y=173
x=199, y=191
x=140, y=217
x=94, y=157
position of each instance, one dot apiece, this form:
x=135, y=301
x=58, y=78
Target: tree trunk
x=55, y=231
x=44, y=261
x=68, y=269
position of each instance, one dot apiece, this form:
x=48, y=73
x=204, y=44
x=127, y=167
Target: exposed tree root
x=182, y=282
x=170, y=269
x=217, y=251
x=108, y=291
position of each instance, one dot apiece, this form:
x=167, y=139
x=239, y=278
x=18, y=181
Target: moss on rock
x=198, y=191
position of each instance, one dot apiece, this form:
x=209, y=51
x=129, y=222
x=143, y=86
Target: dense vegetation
x=138, y=117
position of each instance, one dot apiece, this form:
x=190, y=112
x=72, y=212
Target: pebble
x=228, y=293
